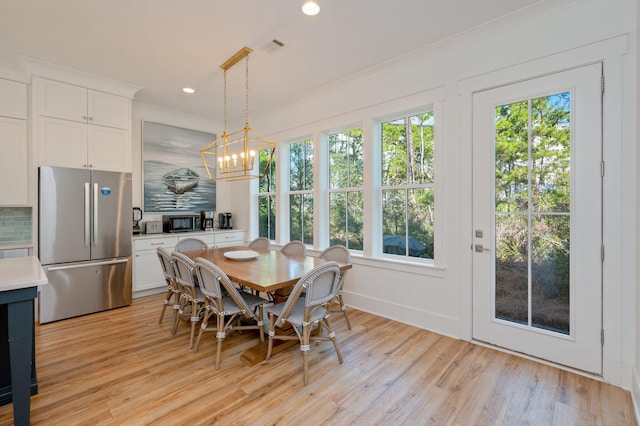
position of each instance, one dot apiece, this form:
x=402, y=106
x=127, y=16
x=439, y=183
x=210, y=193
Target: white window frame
x=310, y=192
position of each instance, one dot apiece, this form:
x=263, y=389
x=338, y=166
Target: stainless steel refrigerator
x=84, y=241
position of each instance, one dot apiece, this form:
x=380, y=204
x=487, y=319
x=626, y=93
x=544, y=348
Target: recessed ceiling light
x=188, y=90
x=310, y=8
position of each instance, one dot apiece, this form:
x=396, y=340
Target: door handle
x=479, y=248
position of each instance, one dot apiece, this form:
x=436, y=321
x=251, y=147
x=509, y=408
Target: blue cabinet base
x=17, y=349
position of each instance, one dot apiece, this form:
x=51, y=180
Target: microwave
x=181, y=223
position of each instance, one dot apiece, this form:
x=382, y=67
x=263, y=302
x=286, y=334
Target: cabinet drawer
x=168, y=243
x=208, y=239
x=230, y=237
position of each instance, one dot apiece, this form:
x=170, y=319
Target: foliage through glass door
x=532, y=212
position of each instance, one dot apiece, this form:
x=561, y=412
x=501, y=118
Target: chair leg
x=195, y=318
x=178, y=315
x=260, y=319
x=332, y=336
x=203, y=326
x=272, y=327
x=304, y=348
x=344, y=311
x=167, y=300
x=176, y=307
x=220, y=335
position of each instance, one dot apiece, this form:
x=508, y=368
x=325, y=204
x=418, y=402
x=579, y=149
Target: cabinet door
x=109, y=148
x=147, y=272
x=62, y=100
x=13, y=162
x=105, y=109
x=13, y=99
x=62, y=143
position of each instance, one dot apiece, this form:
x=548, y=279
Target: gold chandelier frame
x=233, y=155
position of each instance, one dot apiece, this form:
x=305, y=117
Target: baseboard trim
x=635, y=393
x=441, y=324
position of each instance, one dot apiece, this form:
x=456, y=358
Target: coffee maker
x=224, y=221
x=207, y=220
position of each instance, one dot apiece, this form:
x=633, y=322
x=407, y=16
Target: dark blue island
x=19, y=281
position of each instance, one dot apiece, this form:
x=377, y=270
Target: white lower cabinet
x=229, y=238
x=147, y=272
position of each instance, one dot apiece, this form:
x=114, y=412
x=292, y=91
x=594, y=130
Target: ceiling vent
x=272, y=45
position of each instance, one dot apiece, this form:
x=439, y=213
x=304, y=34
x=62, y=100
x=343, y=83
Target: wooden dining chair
x=227, y=305
x=189, y=244
x=340, y=254
x=260, y=243
x=173, y=290
x=307, y=312
x=191, y=300
x=295, y=247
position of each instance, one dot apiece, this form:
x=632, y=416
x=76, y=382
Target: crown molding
x=35, y=67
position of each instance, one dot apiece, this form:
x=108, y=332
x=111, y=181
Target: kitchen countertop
x=21, y=272
x=16, y=245
x=182, y=234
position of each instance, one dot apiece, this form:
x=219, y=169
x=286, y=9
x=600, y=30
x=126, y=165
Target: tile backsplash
x=15, y=224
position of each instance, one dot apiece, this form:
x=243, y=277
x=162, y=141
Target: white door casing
x=580, y=346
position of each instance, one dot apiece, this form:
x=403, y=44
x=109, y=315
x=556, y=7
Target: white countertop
x=21, y=272
x=185, y=234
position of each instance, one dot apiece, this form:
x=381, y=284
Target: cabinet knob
x=90, y=118
x=84, y=117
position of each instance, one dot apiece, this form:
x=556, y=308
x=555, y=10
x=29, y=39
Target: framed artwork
x=175, y=179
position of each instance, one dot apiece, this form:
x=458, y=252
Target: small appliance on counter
x=207, y=220
x=181, y=223
x=153, y=227
x=224, y=221
x=137, y=217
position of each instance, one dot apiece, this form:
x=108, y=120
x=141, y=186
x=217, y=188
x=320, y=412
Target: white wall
x=548, y=38
x=635, y=388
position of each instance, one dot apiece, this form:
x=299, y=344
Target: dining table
x=267, y=271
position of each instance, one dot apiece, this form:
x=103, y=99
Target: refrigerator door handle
x=85, y=265
x=95, y=214
x=87, y=215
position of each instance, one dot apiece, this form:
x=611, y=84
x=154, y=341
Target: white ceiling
x=164, y=45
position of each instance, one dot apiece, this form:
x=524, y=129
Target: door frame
x=618, y=213
x=585, y=283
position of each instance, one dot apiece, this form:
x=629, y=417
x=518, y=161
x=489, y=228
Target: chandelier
x=233, y=155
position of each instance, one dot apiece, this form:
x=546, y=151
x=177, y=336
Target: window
x=346, y=189
x=301, y=191
x=408, y=186
x=267, y=198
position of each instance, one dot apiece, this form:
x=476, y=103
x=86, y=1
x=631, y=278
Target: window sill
x=418, y=268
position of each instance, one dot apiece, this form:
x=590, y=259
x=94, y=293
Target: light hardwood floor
x=122, y=367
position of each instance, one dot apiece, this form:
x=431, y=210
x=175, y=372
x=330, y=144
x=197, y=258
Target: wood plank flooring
x=121, y=367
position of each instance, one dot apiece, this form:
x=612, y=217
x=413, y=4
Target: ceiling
x=165, y=45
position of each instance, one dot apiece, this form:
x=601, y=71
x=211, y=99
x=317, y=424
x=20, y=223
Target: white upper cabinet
x=105, y=109
x=14, y=161
x=13, y=99
x=75, y=103
x=82, y=128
